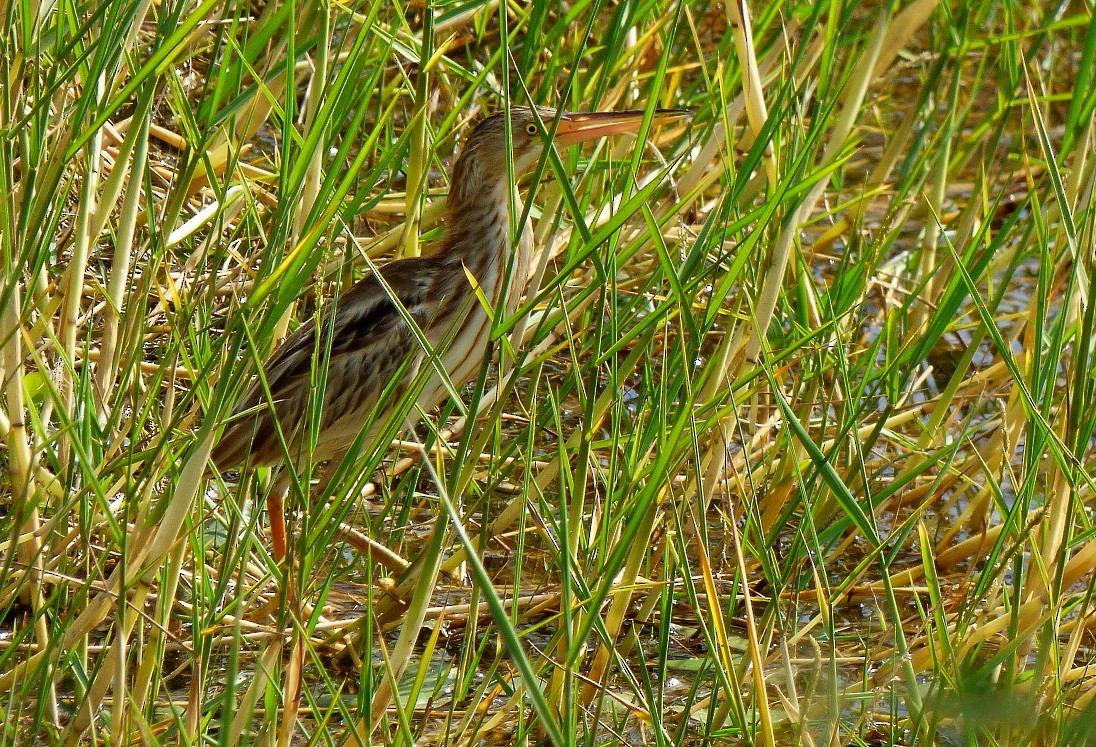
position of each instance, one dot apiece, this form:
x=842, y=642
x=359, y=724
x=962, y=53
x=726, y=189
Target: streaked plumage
x=372, y=343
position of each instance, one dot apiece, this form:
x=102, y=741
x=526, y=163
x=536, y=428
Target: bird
x=367, y=342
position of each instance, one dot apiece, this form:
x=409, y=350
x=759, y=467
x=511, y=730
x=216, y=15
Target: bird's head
x=483, y=160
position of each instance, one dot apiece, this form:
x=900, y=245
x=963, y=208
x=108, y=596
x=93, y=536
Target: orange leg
x=275, y=508
x=275, y=511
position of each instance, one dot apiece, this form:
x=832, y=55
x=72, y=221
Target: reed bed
x=791, y=442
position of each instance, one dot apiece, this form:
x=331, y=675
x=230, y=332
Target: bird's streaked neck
x=479, y=221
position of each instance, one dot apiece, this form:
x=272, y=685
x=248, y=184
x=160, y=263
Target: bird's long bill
x=581, y=126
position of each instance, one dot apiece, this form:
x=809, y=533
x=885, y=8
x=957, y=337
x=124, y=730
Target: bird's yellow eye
x=531, y=129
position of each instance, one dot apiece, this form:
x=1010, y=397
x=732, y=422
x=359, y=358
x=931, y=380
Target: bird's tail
x=235, y=444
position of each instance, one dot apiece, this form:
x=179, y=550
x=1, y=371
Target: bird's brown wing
x=370, y=342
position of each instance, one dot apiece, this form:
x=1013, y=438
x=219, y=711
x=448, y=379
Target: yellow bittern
x=370, y=340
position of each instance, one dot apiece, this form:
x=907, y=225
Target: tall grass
x=791, y=442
